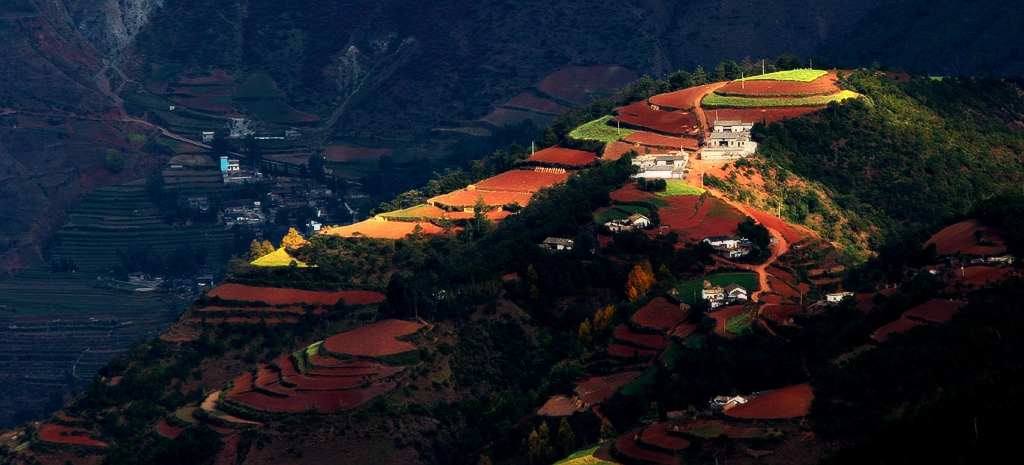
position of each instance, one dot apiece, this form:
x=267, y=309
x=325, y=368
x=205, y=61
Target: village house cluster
x=729, y=140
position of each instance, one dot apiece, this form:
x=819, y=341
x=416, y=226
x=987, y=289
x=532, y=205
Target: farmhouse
x=735, y=292
x=712, y=293
x=726, y=402
x=635, y=221
x=728, y=242
x=731, y=126
x=837, y=297
x=557, y=243
x=728, y=146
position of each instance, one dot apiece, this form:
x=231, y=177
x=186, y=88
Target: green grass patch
x=418, y=212
x=584, y=457
x=799, y=75
x=715, y=100
x=678, y=187
x=689, y=291
x=709, y=430
x=611, y=214
x=166, y=72
x=599, y=130
x=634, y=209
x=278, y=257
x=136, y=138
x=185, y=414
x=740, y=323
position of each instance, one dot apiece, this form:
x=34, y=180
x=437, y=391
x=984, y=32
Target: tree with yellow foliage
x=292, y=238
x=640, y=280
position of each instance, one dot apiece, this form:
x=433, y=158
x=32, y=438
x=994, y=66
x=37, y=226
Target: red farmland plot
x=791, y=233
x=780, y=314
x=287, y=365
x=243, y=383
x=374, y=340
x=563, y=156
x=68, y=435
x=599, y=388
x=788, y=402
x=306, y=383
x=755, y=115
x=651, y=341
x=266, y=375
x=866, y=302
x=650, y=139
x=318, y=401
x=936, y=310
x=169, y=430
x=641, y=115
x=659, y=314
x=630, y=193
x=465, y=198
x=622, y=350
x=356, y=369
x=785, y=276
x=981, y=275
x=628, y=447
x=522, y=181
x=278, y=296
x=960, y=238
x=783, y=289
x=723, y=316
x=685, y=99
x=768, y=298
x=559, y=406
x=697, y=219
x=615, y=150
x=824, y=85
x=220, y=309
x=658, y=436
x=898, y=326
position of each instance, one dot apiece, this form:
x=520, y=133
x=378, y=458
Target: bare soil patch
x=659, y=314
x=936, y=310
x=374, y=340
x=278, y=295
x=788, y=402
x=960, y=238
x=68, y=435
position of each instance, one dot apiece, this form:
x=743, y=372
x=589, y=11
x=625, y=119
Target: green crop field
x=689, y=292
x=621, y=212
x=740, y=323
x=278, y=258
x=599, y=130
x=584, y=457
x=800, y=75
x=715, y=100
x=678, y=187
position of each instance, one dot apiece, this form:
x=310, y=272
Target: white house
x=557, y=243
x=639, y=221
x=735, y=292
x=837, y=297
x=731, y=126
x=727, y=242
x=712, y=293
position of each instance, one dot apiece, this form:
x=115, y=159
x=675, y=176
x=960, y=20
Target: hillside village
x=700, y=268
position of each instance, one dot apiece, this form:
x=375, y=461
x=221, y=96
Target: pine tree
x=566, y=438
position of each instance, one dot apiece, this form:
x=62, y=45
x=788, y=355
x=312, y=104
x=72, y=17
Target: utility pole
x=762, y=66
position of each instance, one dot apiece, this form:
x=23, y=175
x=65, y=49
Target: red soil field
x=575, y=83
x=723, y=316
x=266, y=375
x=67, y=435
x=624, y=351
x=651, y=341
x=981, y=275
x=768, y=298
x=493, y=215
x=936, y=310
x=683, y=99
x=626, y=446
x=355, y=369
x=306, y=383
x=243, y=320
x=278, y=295
x=712, y=219
x=217, y=309
x=788, y=402
x=242, y=383
x=791, y=233
x=343, y=153
x=531, y=102
x=615, y=150
x=319, y=401
x=684, y=330
x=325, y=361
x=784, y=275
x=464, y=198
x=168, y=429
x=374, y=340
x=659, y=314
x=960, y=238
x=597, y=389
x=650, y=139
x=287, y=366
x=383, y=229
x=522, y=181
x=865, y=302
x=657, y=435
x=641, y=115
x=563, y=156
x=763, y=88
x=779, y=313
x=784, y=290
x=558, y=406
x=733, y=432
x=754, y=115
x=630, y=193
x=898, y=326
